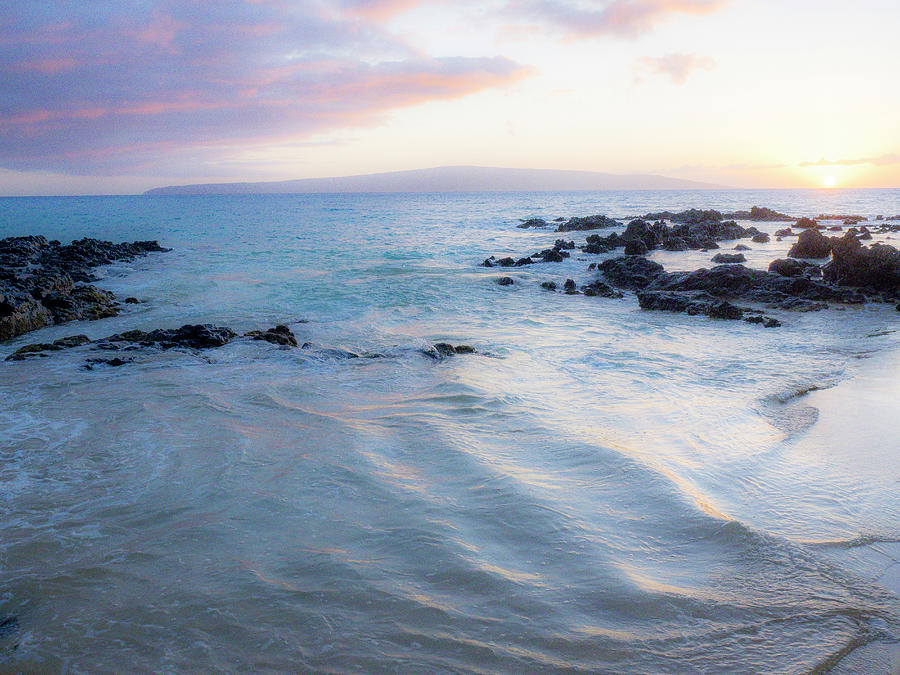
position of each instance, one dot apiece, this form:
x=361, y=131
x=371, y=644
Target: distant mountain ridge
x=447, y=179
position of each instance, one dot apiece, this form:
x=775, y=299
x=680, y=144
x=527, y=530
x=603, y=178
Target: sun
x=829, y=181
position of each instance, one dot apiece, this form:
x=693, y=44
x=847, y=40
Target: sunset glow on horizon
x=102, y=98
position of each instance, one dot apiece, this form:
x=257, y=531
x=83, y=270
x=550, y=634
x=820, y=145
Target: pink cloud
x=677, y=67
x=625, y=18
x=379, y=10
x=130, y=86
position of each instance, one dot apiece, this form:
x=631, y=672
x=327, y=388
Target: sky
x=100, y=97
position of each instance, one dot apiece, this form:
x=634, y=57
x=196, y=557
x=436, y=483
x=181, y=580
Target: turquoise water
x=601, y=489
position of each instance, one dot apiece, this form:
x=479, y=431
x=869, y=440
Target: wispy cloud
x=88, y=89
x=677, y=67
x=623, y=18
x=883, y=160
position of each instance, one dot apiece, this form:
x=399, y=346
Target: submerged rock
x=203, y=336
x=598, y=288
x=55, y=346
x=505, y=281
x=442, y=350
x=532, y=222
x=279, y=335
x=115, y=362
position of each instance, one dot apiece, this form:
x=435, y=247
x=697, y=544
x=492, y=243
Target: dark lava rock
x=553, y=256
x=761, y=238
x=876, y=268
x=729, y=258
x=598, y=288
x=488, y=262
x=563, y=244
x=632, y=272
x=835, y=228
x=505, y=281
x=205, y=336
x=506, y=262
x=521, y=262
x=442, y=350
x=786, y=232
x=90, y=364
x=805, y=223
x=595, y=247
x=569, y=287
x=675, y=244
x=44, y=283
x=742, y=247
x=691, y=302
x=548, y=286
x=279, y=335
x=760, y=214
x=635, y=247
x=767, y=322
x=533, y=222
x=131, y=301
x=740, y=282
x=788, y=267
x=39, y=348
x=811, y=244
x=588, y=223
x=690, y=216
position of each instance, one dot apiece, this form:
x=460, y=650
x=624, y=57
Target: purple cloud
x=678, y=67
x=625, y=18
x=93, y=86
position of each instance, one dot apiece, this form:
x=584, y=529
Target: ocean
x=598, y=489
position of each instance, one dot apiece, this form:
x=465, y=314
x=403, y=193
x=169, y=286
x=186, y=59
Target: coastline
x=857, y=427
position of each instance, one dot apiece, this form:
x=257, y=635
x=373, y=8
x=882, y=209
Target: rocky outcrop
x=876, y=268
x=788, y=267
x=811, y=244
x=740, y=282
x=632, y=273
x=44, y=283
x=587, y=223
x=761, y=214
x=805, y=223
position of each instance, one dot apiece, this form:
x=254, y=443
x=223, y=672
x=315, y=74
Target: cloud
x=883, y=160
x=623, y=18
x=98, y=87
x=678, y=67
